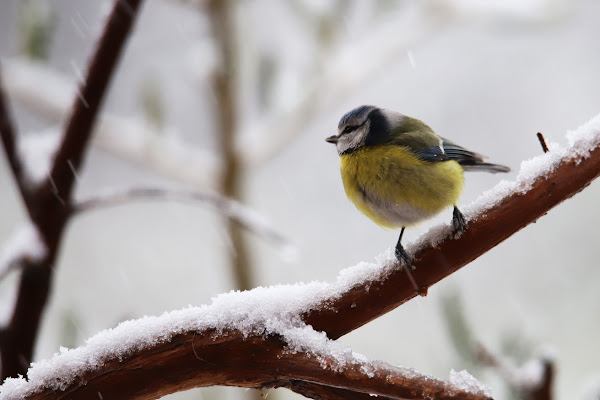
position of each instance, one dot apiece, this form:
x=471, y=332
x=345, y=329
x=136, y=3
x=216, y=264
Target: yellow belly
x=395, y=188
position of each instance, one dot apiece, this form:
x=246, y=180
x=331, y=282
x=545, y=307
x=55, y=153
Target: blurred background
x=488, y=75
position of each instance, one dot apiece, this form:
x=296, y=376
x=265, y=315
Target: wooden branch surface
x=257, y=361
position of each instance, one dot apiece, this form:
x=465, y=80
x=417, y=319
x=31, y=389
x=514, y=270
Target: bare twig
x=542, y=142
x=232, y=209
x=538, y=387
x=48, y=93
x=48, y=204
x=224, y=83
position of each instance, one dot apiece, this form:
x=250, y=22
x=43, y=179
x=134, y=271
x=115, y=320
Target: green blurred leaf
x=36, y=28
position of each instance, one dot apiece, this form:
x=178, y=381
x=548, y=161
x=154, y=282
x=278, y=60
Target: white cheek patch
x=353, y=140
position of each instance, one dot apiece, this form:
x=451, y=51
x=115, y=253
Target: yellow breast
x=394, y=188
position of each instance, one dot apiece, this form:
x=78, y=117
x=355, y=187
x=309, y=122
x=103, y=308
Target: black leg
x=402, y=256
x=459, y=224
x=400, y=253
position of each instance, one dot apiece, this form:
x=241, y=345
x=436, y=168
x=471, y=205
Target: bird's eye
x=349, y=129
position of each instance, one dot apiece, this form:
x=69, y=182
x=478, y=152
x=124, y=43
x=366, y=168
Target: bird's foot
x=401, y=255
x=406, y=263
x=459, y=223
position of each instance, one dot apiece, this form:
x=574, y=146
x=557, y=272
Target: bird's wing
x=460, y=154
x=469, y=160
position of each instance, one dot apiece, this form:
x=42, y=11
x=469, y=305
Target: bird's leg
x=459, y=223
x=401, y=255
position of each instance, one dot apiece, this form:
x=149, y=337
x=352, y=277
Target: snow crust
x=462, y=380
x=272, y=310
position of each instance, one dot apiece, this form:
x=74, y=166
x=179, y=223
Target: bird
x=398, y=172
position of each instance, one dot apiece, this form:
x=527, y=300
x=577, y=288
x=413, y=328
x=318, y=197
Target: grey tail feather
x=481, y=166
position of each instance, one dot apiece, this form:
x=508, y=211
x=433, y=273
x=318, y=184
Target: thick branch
x=230, y=358
x=160, y=363
x=48, y=205
x=88, y=101
x=7, y=133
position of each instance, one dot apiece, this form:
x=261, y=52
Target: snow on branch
x=249, y=339
x=282, y=335
x=542, y=183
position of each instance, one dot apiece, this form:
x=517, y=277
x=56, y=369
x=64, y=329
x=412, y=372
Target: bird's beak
x=332, y=139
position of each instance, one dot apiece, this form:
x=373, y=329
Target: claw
x=459, y=223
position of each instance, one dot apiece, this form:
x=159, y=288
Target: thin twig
x=232, y=209
x=48, y=93
x=540, y=388
x=224, y=81
x=542, y=142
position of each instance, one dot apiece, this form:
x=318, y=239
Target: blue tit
x=398, y=171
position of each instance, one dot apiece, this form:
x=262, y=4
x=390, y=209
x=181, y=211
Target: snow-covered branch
x=542, y=183
x=249, y=339
x=282, y=336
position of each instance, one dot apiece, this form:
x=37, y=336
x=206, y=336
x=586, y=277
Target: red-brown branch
x=370, y=300
x=48, y=204
x=259, y=361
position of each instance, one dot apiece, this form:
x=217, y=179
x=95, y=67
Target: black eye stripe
x=351, y=128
